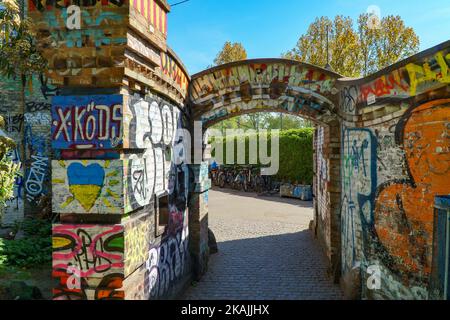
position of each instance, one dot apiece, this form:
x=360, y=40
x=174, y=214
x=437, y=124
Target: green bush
x=9, y=170
x=35, y=249
x=296, y=154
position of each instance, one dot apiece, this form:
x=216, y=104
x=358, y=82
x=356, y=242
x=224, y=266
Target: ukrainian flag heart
x=86, y=183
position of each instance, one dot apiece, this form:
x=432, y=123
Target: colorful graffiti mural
x=82, y=42
x=268, y=85
x=359, y=186
x=411, y=79
x=87, y=186
x=392, y=171
x=87, y=122
x=431, y=73
x=168, y=263
x=30, y=131
x=153, y=132
x=172, y=68
x=37, y=175
x=115, y=155
x=404, y=228
x=88, y=260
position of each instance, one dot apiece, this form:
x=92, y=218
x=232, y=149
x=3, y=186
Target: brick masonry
x=381, y=154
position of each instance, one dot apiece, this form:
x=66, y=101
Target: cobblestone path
x=266, y=251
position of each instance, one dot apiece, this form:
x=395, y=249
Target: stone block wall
x=199, y=219
x=120, y=176
x=30, y=130
x=395, y=162
x=327, y=180
x=117, y=240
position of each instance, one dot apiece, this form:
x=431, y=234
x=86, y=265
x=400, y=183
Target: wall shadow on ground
x=277, y=267
x=274, y=198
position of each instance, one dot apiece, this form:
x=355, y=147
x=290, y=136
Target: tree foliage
x=19, y=60
x=356, y=51
x=19, y=56
x=8, y=169
x=395, y=41
x=35, y=249
x=267, y=121
x=230, y=52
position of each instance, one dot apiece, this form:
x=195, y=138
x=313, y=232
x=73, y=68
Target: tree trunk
x=22, y=130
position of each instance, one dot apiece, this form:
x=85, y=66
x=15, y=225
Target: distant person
x=214, y=166
x=214, y=169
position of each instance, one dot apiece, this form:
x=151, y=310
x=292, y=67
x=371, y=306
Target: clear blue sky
x=199, y=28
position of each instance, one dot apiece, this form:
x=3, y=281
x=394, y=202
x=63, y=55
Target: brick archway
x=250, y=86
x=272, y=85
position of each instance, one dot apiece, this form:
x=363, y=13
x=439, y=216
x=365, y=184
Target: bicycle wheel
x=222, y=181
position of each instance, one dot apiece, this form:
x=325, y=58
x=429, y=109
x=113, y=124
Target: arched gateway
x=103, y=142
x=264, y=85
x=286, y=86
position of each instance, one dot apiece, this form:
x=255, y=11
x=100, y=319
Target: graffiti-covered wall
x=103, y=134
x=263, y=85
x=395, y=162
x=136, y=159
x=116, y=149
x=29, y=129
x=321, y=179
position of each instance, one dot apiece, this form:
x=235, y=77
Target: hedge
x=296, y=154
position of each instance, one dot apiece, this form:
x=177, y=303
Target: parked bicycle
x=244, y=178
x=266, y=185
x=226, y=177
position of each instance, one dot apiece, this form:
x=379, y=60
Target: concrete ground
x=266, y=251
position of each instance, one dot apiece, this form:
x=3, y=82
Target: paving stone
x=266, y=252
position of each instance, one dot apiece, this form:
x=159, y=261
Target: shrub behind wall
x=296, y=154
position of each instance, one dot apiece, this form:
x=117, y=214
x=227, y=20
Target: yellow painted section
x=163, y=21
x=58, y=242
x=112, y=193
x=152, y=9
x=67, y=202
x=107, y=203
x=86, y=195
x=145, y=13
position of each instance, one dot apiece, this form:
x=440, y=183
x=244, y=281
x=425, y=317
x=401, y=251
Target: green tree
x=352, y=52
x=254, y=121
x=285, y=122
x=368, y=38
x=19, y=56
x=230, y=52
x=396, y=42
x=342, y=45
x=8, y=169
